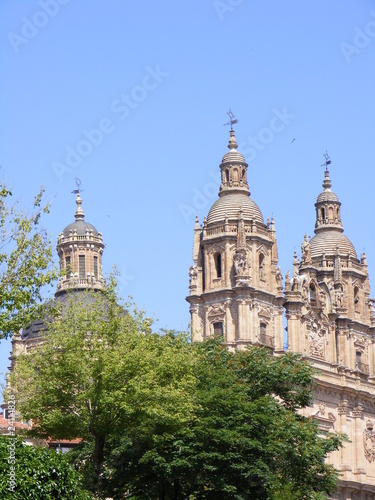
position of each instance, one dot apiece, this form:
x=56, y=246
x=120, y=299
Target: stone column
x=196, y=330
x=230, y=327
x=359, y=466
x=228, y=264
x=343, y=411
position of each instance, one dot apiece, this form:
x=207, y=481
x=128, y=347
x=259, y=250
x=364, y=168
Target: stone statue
x=240, y=263
x=193, y=274
x=306, y=251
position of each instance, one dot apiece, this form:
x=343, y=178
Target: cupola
x=80, y=247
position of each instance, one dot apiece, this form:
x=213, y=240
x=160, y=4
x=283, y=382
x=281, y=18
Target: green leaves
x=163, y=418
x=38, y=473
x=25, y=263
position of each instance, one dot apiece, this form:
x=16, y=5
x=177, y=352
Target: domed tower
x=330, y=289
x=235, y=284
x=80, y=247
x=330, y=318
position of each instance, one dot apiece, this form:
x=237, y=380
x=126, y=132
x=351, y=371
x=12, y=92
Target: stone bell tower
x=330, y=318
x=235, y=284
x=80, y=249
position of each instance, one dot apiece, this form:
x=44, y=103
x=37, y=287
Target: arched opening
x=82, y=266
x=312, y=294
x=68, y=269
x=227, y=175
x=322, y=214
x=263, y=333
x=261, y=266
x=356, y=298
x=218, y=265
x=218, y=329
x=96, y=268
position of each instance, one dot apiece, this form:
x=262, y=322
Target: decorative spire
x=79, y=215
x=232, y=144
x=327, y=205
x=233, y=166
x=196, y=240
x=327, y=181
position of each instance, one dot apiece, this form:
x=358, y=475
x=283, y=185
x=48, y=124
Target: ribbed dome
x=81, y=226
x=327, y=195
x=233, y=156
x=327, y=241
x=231, y=205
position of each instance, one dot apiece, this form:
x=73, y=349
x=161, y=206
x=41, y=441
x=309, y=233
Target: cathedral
x=236, y=291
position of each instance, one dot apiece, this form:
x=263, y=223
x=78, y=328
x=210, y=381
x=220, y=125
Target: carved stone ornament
x=369, y=441
x=193, y=274
x=241, y=264
x=216, y=311
x=306, y=251
x=316, y=341
x=279, y=276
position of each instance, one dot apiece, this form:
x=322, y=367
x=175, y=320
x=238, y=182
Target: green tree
x=25, y=263
x=246, y=440
x=160, y=417
x=37, y=473
x=99, y=371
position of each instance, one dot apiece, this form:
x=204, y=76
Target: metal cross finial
x=232, y=119
x=78, y=184
x=327, y=162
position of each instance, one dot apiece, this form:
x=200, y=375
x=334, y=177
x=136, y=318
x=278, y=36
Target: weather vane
x=232, y=119
x=327, y=162
x=78, y=184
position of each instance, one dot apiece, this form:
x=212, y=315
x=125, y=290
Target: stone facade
x=235, y=284
x=236, y=291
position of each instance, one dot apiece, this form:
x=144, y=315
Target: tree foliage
x=38, y=473
x=163, y=418
x=247, y=439
x=25, y=263
x=99, y=371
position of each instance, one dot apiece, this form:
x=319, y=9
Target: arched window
x=356, y=298
x=323, y=213
x=312, y=295
x=263, y=333
x=68, y=269
x=227, y=175
x=82, y=266
x=218, y=329
x=218, y=266
x=358, y=360
x=261, y=266
x=96, y=269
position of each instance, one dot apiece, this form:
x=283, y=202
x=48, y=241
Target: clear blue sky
x=157, y=77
